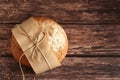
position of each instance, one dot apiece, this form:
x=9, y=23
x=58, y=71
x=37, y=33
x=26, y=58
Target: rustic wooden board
x=93, y=29
x=83, y=39
x=63, y=11
x=72, y=68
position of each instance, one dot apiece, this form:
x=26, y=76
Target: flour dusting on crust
x=56, y=38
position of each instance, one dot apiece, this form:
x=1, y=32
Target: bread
x=57, y=40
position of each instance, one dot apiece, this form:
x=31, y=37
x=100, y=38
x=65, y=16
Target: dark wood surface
x=72, y=68
x=93, y=30
x=63, y=11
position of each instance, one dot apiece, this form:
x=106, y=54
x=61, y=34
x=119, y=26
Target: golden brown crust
x=17, y=52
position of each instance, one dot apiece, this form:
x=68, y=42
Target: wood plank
x=72, y=68
x=68, y=11
x=93, y=39
x=83, y=39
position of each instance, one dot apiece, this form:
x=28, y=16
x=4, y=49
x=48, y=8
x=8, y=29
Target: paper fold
x=34, y=44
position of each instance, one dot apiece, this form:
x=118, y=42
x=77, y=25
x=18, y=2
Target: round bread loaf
x=57, y=40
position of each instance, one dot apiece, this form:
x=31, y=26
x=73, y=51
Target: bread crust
x=49, y=25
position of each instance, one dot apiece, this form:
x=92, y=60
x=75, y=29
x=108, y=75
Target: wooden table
x=93, y=30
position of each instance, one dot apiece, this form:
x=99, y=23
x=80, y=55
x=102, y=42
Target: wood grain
x=93, y=29
x=83, y=39
x=68, y=11
x=72, y=68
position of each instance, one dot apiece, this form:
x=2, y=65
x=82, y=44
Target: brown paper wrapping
x=34, y=44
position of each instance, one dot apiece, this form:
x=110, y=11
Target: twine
x=36, y=43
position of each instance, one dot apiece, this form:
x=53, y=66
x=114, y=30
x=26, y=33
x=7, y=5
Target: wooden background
x=93, y=30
